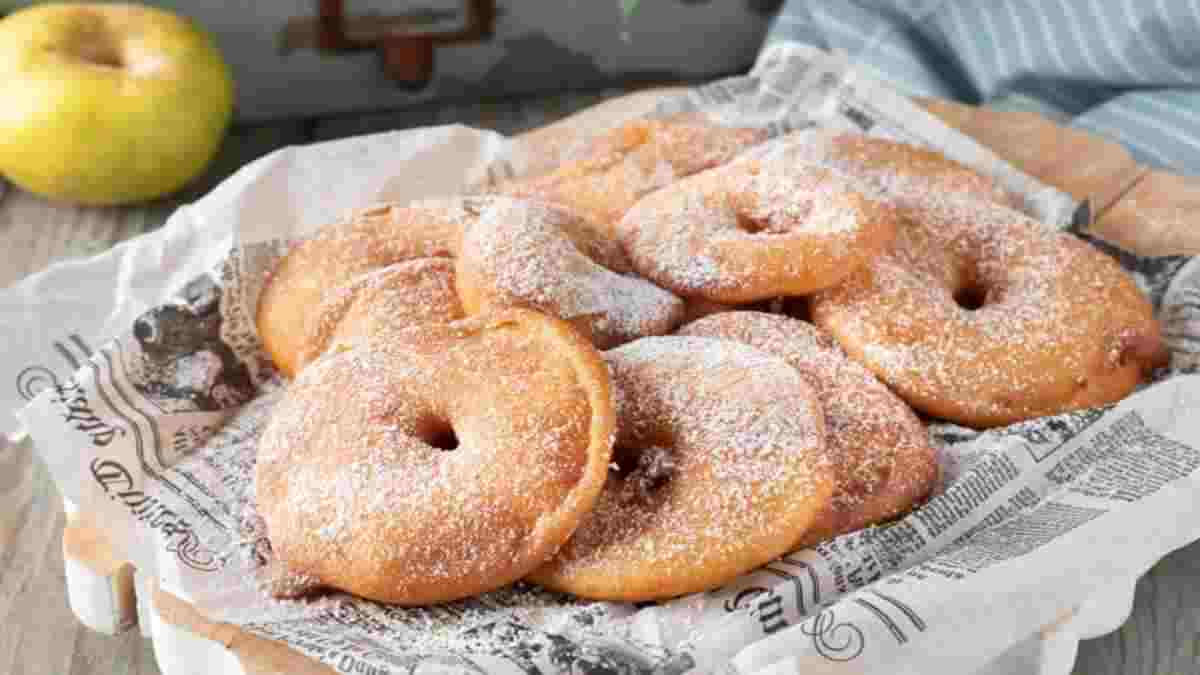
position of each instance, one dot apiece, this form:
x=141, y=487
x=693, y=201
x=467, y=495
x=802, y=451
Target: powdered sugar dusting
x=754, y=229
x=519, y=253
x=1026, y=341
x=882, y=163
x=355, y=492
x=880, y=450
x=745, y=457
x=405, y=295
x=611, y=172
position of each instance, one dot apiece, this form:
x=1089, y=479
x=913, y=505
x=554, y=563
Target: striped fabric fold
x=1126, y=69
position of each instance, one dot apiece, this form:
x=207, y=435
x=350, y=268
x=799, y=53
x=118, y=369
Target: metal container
x=319, y=57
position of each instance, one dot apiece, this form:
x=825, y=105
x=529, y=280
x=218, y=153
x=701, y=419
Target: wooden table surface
x=38, y=632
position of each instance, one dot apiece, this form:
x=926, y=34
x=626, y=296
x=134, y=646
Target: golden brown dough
x=387, y=470
x=338, y=253
x=397, y=297
x=978, y=314
x=611, y=172
x=984, y=317
x=522, y=253
x=721, y=467
x=753, y=230
x=879, y=448
x=887, y=165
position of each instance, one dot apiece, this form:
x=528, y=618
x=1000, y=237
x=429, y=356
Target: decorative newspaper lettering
x=161, y=420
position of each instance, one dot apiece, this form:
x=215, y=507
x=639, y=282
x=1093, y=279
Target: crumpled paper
x=147, y=388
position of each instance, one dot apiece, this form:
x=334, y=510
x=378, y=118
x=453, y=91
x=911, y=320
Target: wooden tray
x=1139, y=209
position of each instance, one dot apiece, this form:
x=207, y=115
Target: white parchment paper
x=139, y=375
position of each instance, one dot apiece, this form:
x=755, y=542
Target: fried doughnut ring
x=880, y=450
x=406, y=294
x=984, y=317
x=521, y=253
x=337, y=253
x=978, y=314
x=892, y=167
x=387, y=469
x=753, y=230
x=722, y=467
x=617, y=168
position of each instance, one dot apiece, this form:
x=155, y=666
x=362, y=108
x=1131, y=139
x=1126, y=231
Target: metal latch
x=405, y=40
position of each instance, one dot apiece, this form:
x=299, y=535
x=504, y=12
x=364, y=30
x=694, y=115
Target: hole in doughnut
x=971, y=297
x=624, y=461
x=797, y=308
x=441, y=436
x=752, y=225
x=645, y=470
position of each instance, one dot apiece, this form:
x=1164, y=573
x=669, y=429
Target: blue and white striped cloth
x=1125, y=69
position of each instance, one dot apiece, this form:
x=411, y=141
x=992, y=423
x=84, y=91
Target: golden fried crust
x=611, y=172
x=981, y=316
x=338, y=253
x=755, y=229
x=721, y=466
x=358, y=493
x=882, y=162
x=880, y=450
x=397, y=297
x=521, y=253
x=978, y=314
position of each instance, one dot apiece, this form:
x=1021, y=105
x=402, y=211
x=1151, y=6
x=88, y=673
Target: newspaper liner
x=156, y=432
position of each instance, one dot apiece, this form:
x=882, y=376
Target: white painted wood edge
x=104, y=603
x=182, y=652
x=142, y=588
x=99, y=602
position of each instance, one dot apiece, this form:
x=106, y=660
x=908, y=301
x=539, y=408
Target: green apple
x=106, y=103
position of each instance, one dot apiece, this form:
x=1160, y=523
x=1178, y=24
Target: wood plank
x=41, y=634
x=35, y=232
x=1082, y=164
x=125, y=654
x=1162, y=635
x=507, y=117
x=38, y=623
x=29, y=527
x=1156, y=216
